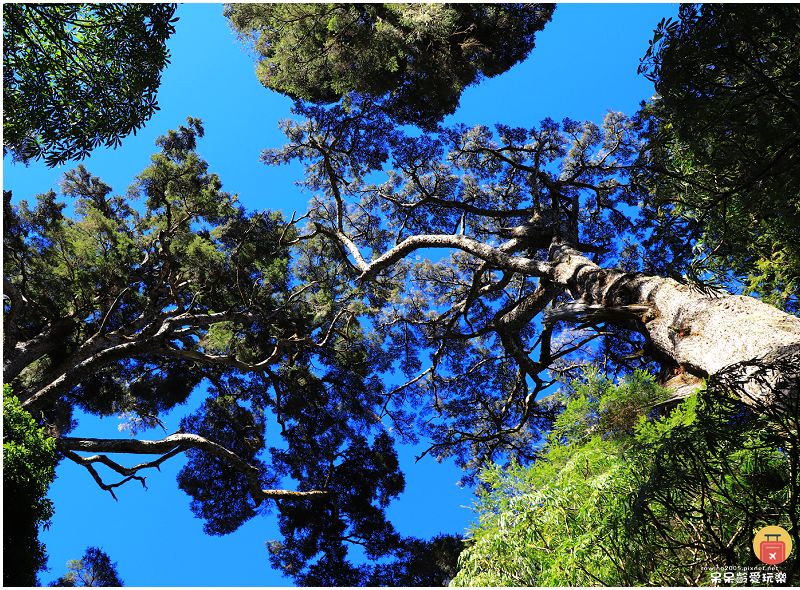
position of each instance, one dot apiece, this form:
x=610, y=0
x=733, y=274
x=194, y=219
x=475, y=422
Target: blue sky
x=584, y=64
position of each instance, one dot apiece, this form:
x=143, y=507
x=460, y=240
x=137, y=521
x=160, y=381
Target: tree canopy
x=520, y=211
x=727, y=135
x=95, y=569
x=416, y=58
x=77, y=76
x=553, y=248
x=120, y=312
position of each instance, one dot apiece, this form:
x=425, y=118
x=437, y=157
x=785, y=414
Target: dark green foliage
x=724, y=148
x=417, y=58
x=324, y=422
x=76, y=76
x=364, y=478
x=220, y=494
x=421, y=563
x=28, y=470
x=146, y=305
x=94, y=569
x=714, y=473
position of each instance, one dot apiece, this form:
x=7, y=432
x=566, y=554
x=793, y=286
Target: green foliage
x=76, y=76
x=724, y=146
x=661, y=503
x=28, y=470
x=111, y=264
x=124, y=311
x=221, y=493
x=421, y=563
x=94, y=569
x=419, y=57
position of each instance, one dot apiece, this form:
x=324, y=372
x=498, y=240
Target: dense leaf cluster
x=76, y=76
x=29, y=462
x=661, y=501
x=416, y=58
x=112, y=270
x=725, y=144
x=147, y=306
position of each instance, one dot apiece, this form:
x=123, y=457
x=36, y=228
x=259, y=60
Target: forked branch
x=168, y=447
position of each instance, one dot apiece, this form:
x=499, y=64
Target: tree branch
x=496, y=256
x=22, y=354
x=171, y=446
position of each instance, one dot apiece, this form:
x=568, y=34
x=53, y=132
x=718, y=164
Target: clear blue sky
x=584, y=63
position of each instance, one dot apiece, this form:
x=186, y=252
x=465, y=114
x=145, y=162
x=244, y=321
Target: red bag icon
x=773, y=552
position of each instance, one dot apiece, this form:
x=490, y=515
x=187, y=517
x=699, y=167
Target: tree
x=418, y=57
x=28, y=470
x=118, y=311
x=422, y=563
x=725, y=143
x=519, y=211
x=625, y=496
x=76, y=76
x=95, y=569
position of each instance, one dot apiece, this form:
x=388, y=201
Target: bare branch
x=87, y=462
x=170, y=446
x=495, y=255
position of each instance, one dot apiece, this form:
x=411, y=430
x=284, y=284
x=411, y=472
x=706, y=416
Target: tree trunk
x=704, y=335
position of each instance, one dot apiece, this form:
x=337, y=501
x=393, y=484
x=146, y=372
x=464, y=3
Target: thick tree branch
x=169, y=447
x=102, y=349
x=36, y=397
x=496, y=256
x=229, y=361
x=704, y=335
x=22, y=354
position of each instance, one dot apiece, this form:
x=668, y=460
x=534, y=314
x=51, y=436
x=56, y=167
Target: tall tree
x=76, y=76
x=417, y=58
x=725, y=143
x=116, y=311
x=95, y=569
x=28, y=470
x=520, y=211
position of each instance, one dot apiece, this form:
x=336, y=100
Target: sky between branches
x=584, y=63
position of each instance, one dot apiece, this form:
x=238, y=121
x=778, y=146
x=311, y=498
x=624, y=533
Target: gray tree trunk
x=706, y=336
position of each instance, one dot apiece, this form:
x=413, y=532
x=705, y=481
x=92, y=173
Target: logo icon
x=772, y=545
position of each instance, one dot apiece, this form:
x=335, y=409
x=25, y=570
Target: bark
x=704, y=335
x=496, y=256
